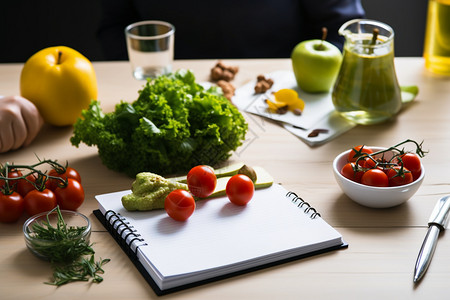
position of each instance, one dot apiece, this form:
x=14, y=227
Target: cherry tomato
x=12, y=183
x=179, y=205
x=411, y=161
x=369, y=163
x=39, y=201
x=71, y=196
x=375, y=177
x=348, y=171
x=69, y=173
x=416, y=174
x=397, y=177
x=357, y=152
x=201, y=181
x=240, y=189
x=25, y=186
x=11, y=207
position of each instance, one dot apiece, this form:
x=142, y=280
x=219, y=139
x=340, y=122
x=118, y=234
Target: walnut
x=227, y=88
x=223, y=72
x=263, y=84
x=216, y=73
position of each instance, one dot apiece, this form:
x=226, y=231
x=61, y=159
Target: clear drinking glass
x=366, y=90
x=150, y=48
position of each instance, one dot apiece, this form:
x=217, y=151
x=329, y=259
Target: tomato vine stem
x=39, y=184
x=397, y=156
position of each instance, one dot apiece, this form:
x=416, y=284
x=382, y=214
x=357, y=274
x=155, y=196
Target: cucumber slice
x=221, y=172
x=263, y=180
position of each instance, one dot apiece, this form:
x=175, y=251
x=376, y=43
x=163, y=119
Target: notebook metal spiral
x=122, y=227
x=307, y=208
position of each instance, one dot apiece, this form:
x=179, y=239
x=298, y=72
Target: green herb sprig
x=66, y=250
x=80, y=270
x=66, y=243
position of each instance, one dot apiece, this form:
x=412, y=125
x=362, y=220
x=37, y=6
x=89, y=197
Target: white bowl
x=370, y=196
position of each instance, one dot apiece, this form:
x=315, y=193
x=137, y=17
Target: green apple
x=316, y=65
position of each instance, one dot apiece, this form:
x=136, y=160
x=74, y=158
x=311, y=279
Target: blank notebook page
x=220, y=233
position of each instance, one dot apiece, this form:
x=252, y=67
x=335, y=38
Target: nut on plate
x=223, y=72
x=227, y=88
x=263, y=84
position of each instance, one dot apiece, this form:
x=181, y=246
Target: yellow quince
x=61, y=82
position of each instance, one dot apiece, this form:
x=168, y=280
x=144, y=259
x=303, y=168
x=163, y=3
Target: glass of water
x=150, y=48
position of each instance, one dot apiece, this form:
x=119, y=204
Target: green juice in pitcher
x=366, y=90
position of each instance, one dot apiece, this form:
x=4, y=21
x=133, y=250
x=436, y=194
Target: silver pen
x=437, y=222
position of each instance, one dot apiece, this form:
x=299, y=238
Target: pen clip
x=439, y=215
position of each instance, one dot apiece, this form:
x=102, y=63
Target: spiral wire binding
x=307, y=208
x=123, y=226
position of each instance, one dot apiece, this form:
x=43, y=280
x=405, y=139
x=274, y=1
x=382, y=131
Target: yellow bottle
x=437, y=37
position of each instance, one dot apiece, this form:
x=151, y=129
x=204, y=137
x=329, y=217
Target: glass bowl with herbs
x=58, y=235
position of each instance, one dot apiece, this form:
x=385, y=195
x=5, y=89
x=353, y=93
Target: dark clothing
x=229, y=29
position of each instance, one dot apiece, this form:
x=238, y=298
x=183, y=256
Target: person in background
x=20, y=122
x=207, y=29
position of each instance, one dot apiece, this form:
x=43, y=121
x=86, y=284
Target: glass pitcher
x=366, y=90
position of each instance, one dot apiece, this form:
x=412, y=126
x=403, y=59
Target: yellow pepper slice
x=274, y=106
x=289, y=97
x=286, y=99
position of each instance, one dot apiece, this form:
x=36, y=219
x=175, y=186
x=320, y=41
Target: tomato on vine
x=375, y=177
x=69, y=196
x=26, y=185
x=31, y=182
x=14, y=173
x=359, y=151
x=37, y=201
x=11, y=207
x=399, y=167
x=65, y=173
x=399, y=176
x=411, y=161
x=349, y=172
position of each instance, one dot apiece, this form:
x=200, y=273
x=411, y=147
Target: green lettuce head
x=174, y=124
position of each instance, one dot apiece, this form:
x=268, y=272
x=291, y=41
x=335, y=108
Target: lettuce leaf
x=172, y=126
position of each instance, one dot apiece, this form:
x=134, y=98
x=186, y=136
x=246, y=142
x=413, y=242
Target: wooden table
x=383, y=243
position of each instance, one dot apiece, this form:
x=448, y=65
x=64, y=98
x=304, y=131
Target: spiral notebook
x=220, y=239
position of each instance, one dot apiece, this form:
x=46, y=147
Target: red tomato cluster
x=368, y=167
x=202, y=181
x=39, y=192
